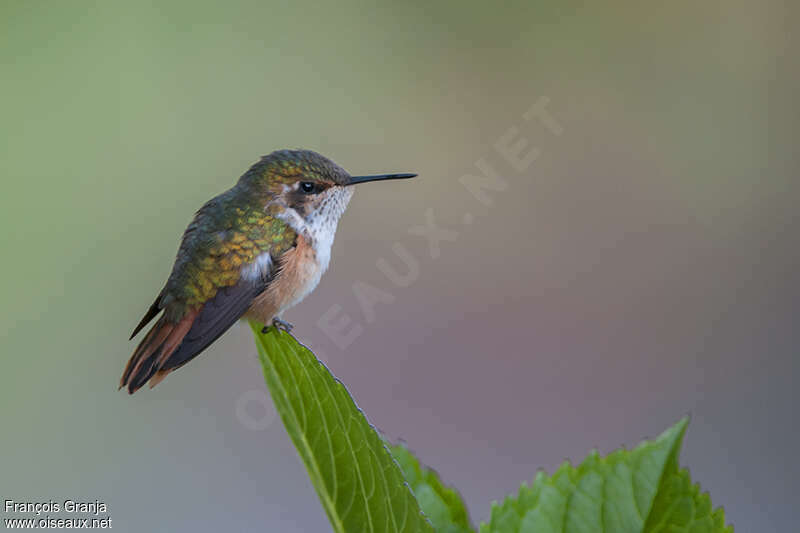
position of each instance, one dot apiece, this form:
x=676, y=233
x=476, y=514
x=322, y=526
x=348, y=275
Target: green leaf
x=640, y=490
x=681, y=507
x=441, y=504
x=361, y=487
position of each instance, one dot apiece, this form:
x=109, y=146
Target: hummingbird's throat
x=318, y=226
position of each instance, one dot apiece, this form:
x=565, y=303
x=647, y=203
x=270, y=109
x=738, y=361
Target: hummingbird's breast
x=299, y=270
x=297, y=274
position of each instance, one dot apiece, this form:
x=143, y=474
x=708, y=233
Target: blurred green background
x=644, y=266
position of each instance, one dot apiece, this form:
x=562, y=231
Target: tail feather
x=170, y=345
x=154, y=351
x=151, y=313
x=146, y=347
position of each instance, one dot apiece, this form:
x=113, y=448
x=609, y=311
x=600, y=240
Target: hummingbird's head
x=307, y=189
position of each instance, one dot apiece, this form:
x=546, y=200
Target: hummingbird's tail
x=170, y=344
x=149, y=361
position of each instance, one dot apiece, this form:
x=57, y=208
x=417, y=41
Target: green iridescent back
x=224, y=236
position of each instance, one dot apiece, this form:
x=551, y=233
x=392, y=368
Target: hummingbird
x=252, y=252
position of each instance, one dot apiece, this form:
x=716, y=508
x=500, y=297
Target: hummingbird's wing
x=171, y=345
x=224, y=262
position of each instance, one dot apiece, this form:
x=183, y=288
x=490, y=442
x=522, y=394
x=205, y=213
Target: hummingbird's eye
x=307, y=186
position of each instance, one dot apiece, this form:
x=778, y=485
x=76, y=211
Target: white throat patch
x=320, y=227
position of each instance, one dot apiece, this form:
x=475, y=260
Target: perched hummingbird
x=251, y=252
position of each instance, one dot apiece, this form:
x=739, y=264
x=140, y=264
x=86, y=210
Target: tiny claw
x=279, y=324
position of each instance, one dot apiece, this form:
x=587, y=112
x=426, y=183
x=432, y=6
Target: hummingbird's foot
x=278, y=324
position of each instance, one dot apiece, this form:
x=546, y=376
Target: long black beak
x=363, y=179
